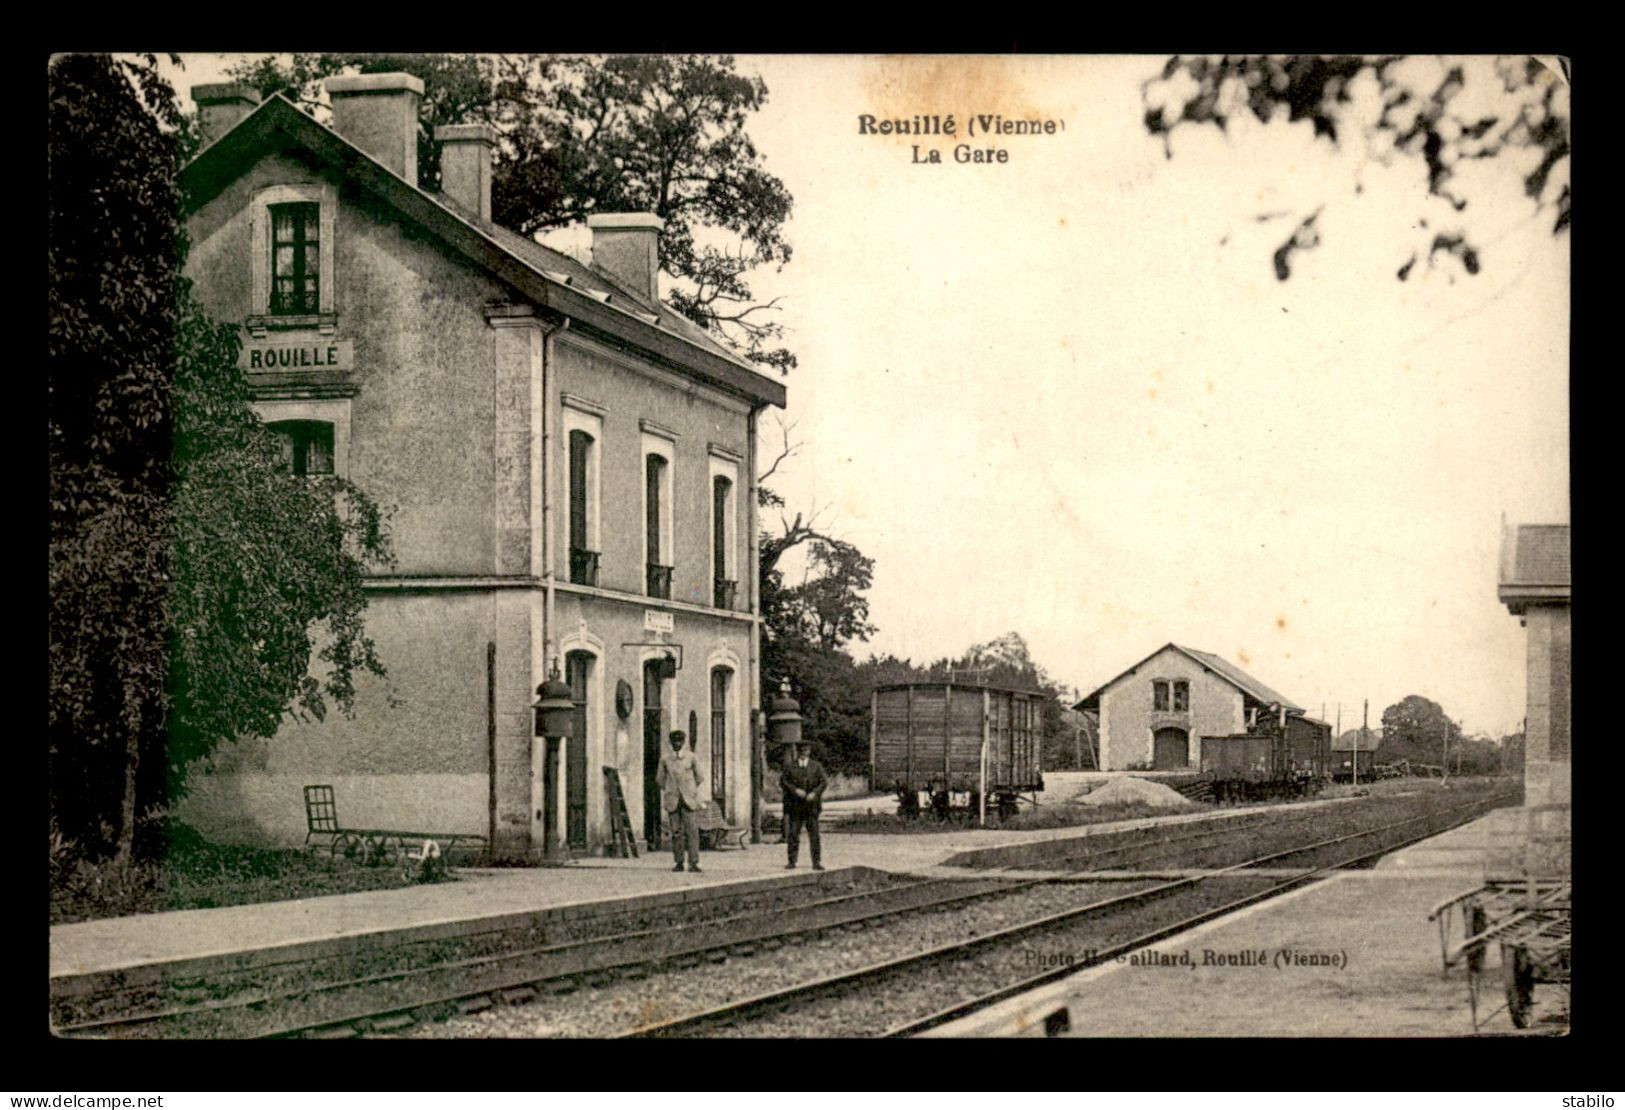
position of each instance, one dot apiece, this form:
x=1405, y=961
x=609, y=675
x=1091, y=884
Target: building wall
x=632, y=397
x=421, y=422
x=613, y=632
x=447, y=425
x=1128, y=722
x=1547, y=731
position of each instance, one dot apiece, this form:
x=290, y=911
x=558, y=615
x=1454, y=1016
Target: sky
x=1065, y=395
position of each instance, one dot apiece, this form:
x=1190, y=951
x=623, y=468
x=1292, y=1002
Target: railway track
x=874, y=993
x=349, y=1005
x=324, y=1000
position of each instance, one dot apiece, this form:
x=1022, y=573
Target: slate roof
x=1226, y=670
x=1535, y=565
x=1541, y=556
x=541, y=275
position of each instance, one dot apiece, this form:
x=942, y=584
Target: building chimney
x=221, y=107
x=626, y=245
x=465, y=167
x=378, y=112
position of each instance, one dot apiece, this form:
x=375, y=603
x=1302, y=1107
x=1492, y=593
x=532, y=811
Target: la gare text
x=948, y=126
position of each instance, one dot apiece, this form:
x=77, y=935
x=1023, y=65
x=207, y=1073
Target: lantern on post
x=555, y=712
x=784, y=717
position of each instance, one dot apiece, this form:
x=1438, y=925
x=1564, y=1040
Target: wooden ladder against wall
x=620, y=822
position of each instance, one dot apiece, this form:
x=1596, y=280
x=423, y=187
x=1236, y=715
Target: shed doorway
x=1170, y=750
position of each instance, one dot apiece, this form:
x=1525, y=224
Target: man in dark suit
x=802, y=786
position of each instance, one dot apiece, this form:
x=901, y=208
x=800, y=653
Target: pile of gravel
x=1125, y=791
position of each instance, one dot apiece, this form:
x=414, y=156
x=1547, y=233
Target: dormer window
x=296, y=263
x=293, y=259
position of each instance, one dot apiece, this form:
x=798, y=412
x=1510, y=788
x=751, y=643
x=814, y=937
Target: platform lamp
x=784, y=717
x=555, y=713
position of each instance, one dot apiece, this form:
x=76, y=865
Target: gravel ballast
x=621, y=1007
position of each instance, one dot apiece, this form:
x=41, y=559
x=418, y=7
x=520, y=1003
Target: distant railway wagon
x=1344, y=765
x=1272, y=760
x=941, y=739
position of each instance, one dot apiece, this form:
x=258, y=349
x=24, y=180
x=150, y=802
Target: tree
x=262, y=559
x=808, y=625
x=1417, y=729
x=806, y=628
x=185, y=567
x=1439, y=115
x=577, y=135
x=111, y=300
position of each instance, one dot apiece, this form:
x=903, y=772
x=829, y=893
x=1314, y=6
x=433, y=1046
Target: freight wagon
x=1273, y=759
x=941, y=739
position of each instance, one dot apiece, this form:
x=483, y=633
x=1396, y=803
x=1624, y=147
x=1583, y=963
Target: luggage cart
x=1528, y=919
x=418, y=854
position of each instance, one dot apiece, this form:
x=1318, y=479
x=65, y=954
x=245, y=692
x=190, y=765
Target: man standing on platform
x=802, y=786
x=679, y=779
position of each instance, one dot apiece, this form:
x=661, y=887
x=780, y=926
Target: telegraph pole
x=1444, y=754
x=1365, y=715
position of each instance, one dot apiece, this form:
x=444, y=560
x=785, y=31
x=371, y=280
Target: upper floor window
x=583, y=554
x=295, y=259
x=725, y=577
x=726, y=562
x=583, y=433
x=1171, y=696
x=307, y=445
x=293, y=229
x=657, y=523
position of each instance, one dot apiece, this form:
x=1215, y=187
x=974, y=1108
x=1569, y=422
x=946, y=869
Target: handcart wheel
x=345, y=846
x=386, y=851
x=1520, y=980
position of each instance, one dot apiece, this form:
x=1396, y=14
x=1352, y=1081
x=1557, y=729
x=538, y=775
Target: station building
x=570, y=464
x=1535, y=586
x=1153, y=715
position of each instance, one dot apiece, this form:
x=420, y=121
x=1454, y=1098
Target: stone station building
x=570, y=463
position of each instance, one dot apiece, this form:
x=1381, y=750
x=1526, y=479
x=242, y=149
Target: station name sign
x=329, y=354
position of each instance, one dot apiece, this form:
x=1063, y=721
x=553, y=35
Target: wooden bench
x=716, y=832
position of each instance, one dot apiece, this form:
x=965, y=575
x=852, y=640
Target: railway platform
x=197, y=937
x=1351, y=956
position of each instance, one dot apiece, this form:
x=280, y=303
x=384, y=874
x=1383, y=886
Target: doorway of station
x=1170, y=750
x=653, y=718
x=578, y=665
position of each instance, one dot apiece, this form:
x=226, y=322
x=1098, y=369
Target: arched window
x=307, y=445
x=720, y=677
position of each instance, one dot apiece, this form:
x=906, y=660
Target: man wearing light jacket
x=679, y=779
x=802, y=786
